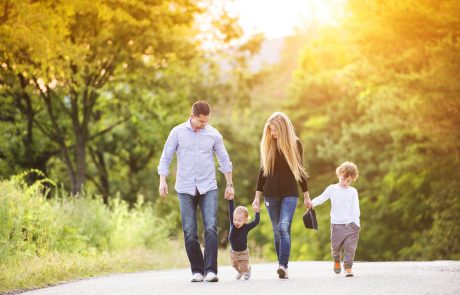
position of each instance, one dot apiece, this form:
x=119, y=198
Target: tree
x=380, y=91
x=61, y=62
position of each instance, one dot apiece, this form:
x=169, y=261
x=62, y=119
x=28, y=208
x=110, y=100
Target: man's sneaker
x=282, y=272
x=247, y=275
x=197, y=277
x=238, y=275
x=337, y=268
x=211, y=277
x=348, y=272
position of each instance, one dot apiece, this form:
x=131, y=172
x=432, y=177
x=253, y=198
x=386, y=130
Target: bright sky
x=277, y=18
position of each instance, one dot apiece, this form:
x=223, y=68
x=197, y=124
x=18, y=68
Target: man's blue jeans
x=281, y=211
x=188, y=212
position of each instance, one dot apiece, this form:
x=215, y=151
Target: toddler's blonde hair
x=348, y=169
x=241, y=210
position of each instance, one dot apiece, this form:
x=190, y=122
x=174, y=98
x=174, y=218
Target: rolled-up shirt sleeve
x=225, y=165
x=168, y=153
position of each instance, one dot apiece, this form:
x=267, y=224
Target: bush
x=34, y=225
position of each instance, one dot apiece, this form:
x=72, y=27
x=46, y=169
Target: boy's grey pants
x=344, y=236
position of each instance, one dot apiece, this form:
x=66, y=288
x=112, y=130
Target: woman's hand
x=256, y=205
x=306, y=200
x=256, y=202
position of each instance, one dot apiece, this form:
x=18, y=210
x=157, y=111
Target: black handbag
x=309, y=219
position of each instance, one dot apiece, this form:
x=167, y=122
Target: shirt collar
x=188, y=125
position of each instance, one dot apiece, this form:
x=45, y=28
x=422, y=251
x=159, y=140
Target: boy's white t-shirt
x=344, y=203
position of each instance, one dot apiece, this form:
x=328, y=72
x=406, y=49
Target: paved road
x=435, y=277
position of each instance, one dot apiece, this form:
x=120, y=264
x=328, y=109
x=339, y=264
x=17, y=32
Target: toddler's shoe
x=247, y=275
x=282, y=272
x=348, y=272
x=238, y=275
x=337, y=268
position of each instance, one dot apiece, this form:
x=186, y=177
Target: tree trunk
x=80, y=160
x=102, y=183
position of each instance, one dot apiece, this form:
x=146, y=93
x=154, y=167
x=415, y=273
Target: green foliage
x=378, y=91
x=33, y=225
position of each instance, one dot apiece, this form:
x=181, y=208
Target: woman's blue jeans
x=188, y=211
x=281, y=211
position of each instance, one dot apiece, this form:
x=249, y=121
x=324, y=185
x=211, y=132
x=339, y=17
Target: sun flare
x=276, y=18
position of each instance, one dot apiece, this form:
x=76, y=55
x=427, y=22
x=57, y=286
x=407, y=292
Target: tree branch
x=107, y=129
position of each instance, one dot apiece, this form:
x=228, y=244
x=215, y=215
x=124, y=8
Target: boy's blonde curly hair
x=241, y=210
x=348, y=169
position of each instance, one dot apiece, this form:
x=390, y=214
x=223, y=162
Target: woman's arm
x=259, y=190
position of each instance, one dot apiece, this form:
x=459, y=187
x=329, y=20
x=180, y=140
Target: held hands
x=306, y=200
x=229, y=192
x=256, y=205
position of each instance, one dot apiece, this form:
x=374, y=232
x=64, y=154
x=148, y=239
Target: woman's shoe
x=282, y=272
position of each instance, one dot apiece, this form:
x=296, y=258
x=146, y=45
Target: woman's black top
x=282, y=182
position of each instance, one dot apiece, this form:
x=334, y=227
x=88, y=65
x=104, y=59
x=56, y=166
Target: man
x=195, y=143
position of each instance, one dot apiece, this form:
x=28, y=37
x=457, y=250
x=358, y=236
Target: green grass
x=19, y=274
x=50, y=240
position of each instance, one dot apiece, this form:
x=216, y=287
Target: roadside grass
x=47, y=240
x=25, y=273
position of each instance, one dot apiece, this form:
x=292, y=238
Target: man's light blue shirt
x=195, y=158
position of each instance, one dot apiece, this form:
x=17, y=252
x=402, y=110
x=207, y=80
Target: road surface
x=312, y=277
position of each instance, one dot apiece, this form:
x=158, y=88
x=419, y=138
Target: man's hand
x=229, y=192
x=163, y=187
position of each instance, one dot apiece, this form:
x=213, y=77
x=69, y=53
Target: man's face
x=199, y=122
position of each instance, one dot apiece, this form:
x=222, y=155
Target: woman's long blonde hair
x=286, y=144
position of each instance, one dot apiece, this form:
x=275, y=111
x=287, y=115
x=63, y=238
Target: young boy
x=238, y=237
x=345, y=226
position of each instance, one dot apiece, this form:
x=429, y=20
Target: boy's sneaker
x=337, y=268
x=282, y=272
x=197, y=277
x=238, y=275
x=348, y=272
x=211, y=277
x=247, y=275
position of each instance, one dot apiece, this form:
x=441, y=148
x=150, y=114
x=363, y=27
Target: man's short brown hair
x=201, y=108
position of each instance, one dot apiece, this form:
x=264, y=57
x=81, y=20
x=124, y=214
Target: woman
x=281, y=169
